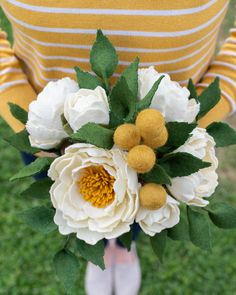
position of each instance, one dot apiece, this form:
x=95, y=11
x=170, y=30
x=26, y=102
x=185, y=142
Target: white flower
x=193, y=188
x=86, y=106
x=154, y=221
x=44, y=120
x=104, y=210
x=171, y=99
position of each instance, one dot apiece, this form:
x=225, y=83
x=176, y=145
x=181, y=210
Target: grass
x=25, y=255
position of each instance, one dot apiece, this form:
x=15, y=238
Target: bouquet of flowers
x=121, y=156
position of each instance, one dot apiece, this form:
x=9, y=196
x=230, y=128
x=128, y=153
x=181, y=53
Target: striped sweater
x=177, y=37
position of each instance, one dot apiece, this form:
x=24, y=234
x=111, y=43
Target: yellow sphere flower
x=159, y=140
x=152, y=196
x=127, y=136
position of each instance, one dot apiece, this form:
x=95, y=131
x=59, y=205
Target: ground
x=26, y=256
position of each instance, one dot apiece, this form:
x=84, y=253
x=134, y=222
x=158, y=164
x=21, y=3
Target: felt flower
x=44, y=119
x=95, y=193
x=86, y=106
x=193, y=188
x=154, y=221
x=171, y=99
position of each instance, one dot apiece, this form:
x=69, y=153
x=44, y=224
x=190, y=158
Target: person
x=177, y=37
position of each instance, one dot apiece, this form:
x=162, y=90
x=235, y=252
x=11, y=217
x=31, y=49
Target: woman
x=178, y=37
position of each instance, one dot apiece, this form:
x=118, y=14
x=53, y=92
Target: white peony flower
x=44, y=119
x=191, y=189
x=86, y=106
x=95, y=193
x=171, y=99
x=154, y=221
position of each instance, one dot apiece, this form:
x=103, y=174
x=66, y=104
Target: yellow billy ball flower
x=152, y=196
x=127, y=136
x=150, y=122
x=141, y=158
x=159, y=140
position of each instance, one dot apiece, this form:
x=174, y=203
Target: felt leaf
x=156, y=175
x=93, y=253
x=39, y=218
x=103, y=56
x=222, y=133
x=131, y=76
x=87, y=80
x=222, y=215
x=147, y=100
x=182, y=164
x=199, y=229
x=19, y=113
x=66, y=266
x=158, y=243
x=20, y=141
x=38, y=189
x=191, y=87
x=126, y=240
x=122, y=104
x=180, y=232
x=39, y=165
x=94, y=134
x=209, y=98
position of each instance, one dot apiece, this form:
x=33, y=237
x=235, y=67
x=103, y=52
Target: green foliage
x=39, y=218
x=94, y=134
x=131, y=76
x=222, y=133
x=38, y=189
x=199, y=229
x=93, y=253
x=103, y=57
x=126, y=240
x=86, y=80
x=39, y=165
x=209, y=98
x=158, y=243
x=181, y=164
x=222, y=215
x=191, y=87
x=157, y=175
x=19, y=113
x=66, y=266
x=180, y=232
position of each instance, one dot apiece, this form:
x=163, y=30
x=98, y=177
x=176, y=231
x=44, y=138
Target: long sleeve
x=224, y=66
x=14, y=86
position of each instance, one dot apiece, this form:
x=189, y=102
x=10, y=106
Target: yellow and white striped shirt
x=177, y=37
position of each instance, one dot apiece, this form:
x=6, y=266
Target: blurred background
x=26, y=256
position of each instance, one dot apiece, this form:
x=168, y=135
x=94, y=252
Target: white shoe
x=128, y=276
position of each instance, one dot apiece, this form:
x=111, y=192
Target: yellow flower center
x=96, y=186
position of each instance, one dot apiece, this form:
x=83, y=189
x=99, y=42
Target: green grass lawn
x=26, y=256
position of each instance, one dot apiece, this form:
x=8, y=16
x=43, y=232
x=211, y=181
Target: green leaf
x=199, y=229
x=182, y=164
x=209, y=98
x=178, y=133
x=19, y=113
x=222, y=133
x=93, y=253
x=191, y=87
x=131, y=76
x=156, y=175
x=39, y=165
x=122, y=104
x=66, y=266
x=180, y=232
x=38, y=189
x=158, y=243
x=222, y=215
x=20, y=141
x=39, y=218
x=87, y=80
x=147, y=100
x=103, y=57
x=94, y=134
x=126, y=240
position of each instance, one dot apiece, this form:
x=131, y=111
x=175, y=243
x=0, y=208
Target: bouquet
x=121, y=156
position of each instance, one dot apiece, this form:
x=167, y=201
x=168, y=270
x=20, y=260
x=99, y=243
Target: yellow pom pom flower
x=159, y=140
x=152, y=196
x=141, y=158
x=127, y=136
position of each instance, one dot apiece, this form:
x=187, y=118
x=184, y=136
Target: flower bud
x=157, y=141
x=127, y=136
x=152, y=196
